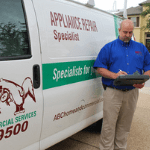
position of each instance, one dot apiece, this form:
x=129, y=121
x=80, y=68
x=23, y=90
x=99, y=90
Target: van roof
x=79, y=3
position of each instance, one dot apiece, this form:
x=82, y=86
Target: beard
x=126, y=39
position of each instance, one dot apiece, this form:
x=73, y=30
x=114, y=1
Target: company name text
x=70, y=22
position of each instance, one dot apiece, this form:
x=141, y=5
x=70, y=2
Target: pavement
x=138, y=139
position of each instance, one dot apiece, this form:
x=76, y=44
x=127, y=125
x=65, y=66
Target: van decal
x=63, y=73
x=12, y=92
x=117, y=22
x=78, y=109
x=73, y=22
x=70, y=22
x=13, y=130
x=66, y=36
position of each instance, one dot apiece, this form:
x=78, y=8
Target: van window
x=14, y=43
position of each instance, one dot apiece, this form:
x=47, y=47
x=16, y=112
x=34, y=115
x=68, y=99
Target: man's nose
x=128, y=34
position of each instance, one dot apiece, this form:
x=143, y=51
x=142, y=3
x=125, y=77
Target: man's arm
x=108, y=74
x=147, y=73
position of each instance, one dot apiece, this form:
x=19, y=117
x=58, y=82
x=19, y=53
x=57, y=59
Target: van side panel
x=71, y=36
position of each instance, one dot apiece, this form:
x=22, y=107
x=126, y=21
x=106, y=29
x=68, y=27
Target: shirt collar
x=124, y=43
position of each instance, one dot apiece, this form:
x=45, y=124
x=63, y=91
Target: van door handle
x=36, y=76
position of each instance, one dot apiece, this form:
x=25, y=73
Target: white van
x=48, y=87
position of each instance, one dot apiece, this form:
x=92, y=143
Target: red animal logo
x=12, y=92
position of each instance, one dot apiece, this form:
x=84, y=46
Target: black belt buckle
x=124, y=90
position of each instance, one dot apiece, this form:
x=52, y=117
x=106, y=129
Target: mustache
x=127, y=39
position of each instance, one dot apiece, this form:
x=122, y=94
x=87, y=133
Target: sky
x=108, y=4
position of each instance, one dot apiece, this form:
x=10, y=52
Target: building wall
x=137, y=34
x=137, y=30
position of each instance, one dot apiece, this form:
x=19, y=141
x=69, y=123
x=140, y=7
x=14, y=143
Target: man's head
x=126, y=30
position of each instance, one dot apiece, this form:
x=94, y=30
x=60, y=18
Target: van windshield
x=13, y=32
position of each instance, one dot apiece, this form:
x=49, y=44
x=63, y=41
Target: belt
x=124, y=90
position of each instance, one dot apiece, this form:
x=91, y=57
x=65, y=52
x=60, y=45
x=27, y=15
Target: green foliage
x=147, y=11
x=144, y=14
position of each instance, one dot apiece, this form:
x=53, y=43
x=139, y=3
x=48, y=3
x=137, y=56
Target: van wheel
x=95, y=127
x=99, y=124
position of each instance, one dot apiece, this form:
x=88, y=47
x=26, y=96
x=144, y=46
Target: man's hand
x=108, y=74
x=121, y=73
x=139, y=86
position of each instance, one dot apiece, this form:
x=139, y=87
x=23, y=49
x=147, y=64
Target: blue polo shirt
x=117, y=55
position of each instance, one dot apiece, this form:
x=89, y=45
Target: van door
x=21, y=102
x=72, y=95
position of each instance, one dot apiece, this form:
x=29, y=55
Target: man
x=120, y=57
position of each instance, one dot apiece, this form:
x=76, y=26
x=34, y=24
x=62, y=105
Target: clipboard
x=129, y=80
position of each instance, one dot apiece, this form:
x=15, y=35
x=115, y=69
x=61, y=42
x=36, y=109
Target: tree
x=144, y=14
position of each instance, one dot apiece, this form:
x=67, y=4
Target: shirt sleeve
x=102, y=58
x=146, y=66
